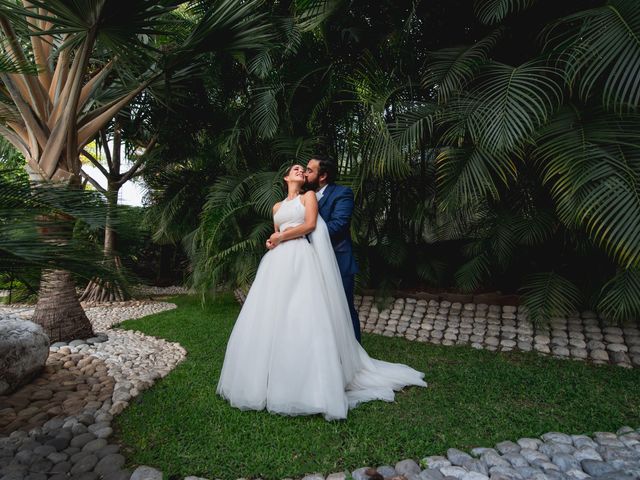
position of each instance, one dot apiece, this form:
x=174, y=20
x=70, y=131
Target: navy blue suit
x=335, y=207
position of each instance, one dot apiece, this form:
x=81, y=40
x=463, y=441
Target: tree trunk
x=58, y=310
x=98, y=289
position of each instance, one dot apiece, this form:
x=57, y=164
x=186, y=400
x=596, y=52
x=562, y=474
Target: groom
x=335, y=205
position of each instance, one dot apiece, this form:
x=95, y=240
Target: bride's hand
x=274, y=239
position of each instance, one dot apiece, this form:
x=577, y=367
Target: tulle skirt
x=290, y=355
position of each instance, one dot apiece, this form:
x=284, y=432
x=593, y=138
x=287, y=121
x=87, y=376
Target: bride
x=293, y=350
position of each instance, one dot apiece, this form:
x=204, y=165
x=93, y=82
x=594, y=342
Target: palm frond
x=413, y=126
x=451, y=69
x=601, y=51
x=494, y=11
x=619, y=299
x=464, y=175
x=471, y=275
x=264, y=115
x=535, y=227
x=232, y=27
x=511, y=102
x=591, y=160
x=549, y=294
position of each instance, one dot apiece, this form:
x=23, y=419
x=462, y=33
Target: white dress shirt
x=320, y=192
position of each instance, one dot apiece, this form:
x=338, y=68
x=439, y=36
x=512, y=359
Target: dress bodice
x=290, y=214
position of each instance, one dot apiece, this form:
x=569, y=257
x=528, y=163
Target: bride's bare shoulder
x=309, y=196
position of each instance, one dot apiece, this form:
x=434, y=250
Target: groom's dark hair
x=326, y=165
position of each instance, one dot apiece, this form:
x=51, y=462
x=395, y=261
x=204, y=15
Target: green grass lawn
x=475, y=398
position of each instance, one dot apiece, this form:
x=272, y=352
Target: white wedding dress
x=292, y=349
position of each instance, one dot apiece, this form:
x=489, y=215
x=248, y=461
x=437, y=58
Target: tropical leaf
x=591, y=161
x=464, y=175
x=393, y=249
x=261, y=64
x=472, y=274
x=310, y=14
x=297, y=149
x=494, y=11
x=509, y=103
x=535, y=228
x=450, y=69
x=267, y=189
x=601, y=52
x=264, y=115
x=619, y=299
x=413, y=126
x=432, y=271
x=231, y=26
x=549, y=294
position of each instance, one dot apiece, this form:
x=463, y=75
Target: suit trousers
x=348, y=281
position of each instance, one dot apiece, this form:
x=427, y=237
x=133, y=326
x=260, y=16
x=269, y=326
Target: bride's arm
x=275, y=208
x=310, y=218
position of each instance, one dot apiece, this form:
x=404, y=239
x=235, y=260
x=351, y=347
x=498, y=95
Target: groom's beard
x=310, y=186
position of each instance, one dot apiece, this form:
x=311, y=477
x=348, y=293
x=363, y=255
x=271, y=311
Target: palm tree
x=92, y=58
x=554, y=140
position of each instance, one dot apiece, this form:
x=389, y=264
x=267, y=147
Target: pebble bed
x=582, y=336
x=59, y=426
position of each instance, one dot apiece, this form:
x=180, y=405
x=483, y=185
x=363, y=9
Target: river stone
x=147, y=473
x=550, y=449
x=557, y=437
x=475, y=465
x=384, y=470
x=596, y=468
x=407, y=467
x=82, y=439
x=24, y=349
x=616, y=475
x=582, y=441
x=516, y=459
x=452, y=471
x=314, y=476
x=492, y=459
x=57, y=457
x=474, y=476
x=565, y=461
x=457, y=457
x=359, y=474
x=586, y=453
x=119, y=475
x=530, y=443
x=95, y=445
x=62, y=467
x=435, y=461
x=504, y=473
x=508, y=447
x=85, y=464
x=429, y=474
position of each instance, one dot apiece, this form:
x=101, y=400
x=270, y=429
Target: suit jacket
x=335, y=207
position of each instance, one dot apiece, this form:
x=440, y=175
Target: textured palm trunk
x=58, y=310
